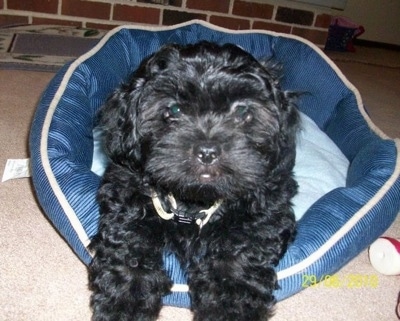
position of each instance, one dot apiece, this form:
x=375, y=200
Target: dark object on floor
x=342, y=33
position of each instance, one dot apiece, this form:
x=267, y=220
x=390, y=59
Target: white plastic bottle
x=384, y=255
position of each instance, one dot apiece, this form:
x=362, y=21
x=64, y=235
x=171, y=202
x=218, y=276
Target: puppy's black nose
x=207, y=153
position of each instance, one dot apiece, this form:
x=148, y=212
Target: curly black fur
x=203, y=122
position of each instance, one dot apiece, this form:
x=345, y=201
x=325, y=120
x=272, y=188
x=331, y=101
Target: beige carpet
x=42, y=280
x=369, y=56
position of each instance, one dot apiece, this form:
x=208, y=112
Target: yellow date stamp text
x=349, y=281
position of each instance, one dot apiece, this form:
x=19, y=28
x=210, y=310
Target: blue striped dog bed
x=333, y=226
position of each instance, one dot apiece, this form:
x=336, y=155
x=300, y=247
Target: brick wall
x=233, y=14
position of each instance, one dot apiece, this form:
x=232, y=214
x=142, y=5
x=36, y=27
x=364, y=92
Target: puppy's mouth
x=208, y=174
x=206, y=178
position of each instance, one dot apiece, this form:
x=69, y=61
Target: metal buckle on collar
x=181, y=218
x=178, y=218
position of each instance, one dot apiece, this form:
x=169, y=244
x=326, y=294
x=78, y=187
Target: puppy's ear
x=285, y=100
x=118, y=122
x=273, y=68
x=118, y=118
x=288, y=114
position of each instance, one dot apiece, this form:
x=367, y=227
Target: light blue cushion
x=320, y=166
x=333, y=230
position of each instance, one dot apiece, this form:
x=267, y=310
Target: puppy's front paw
x=233, y=301
x=118, y=297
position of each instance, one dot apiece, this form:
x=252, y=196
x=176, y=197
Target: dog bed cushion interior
x=348, y=171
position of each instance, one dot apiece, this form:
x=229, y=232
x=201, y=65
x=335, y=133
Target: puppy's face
x=202, y=120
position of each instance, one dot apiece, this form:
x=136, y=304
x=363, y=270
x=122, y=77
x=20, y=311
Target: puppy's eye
x=243, y=113
x=172, y=112
x=241, y=110
x=175, y=110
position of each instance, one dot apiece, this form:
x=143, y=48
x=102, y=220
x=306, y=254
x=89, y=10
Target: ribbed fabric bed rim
x=73, y=218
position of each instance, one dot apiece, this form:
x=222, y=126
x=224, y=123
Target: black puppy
x=202, y=145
